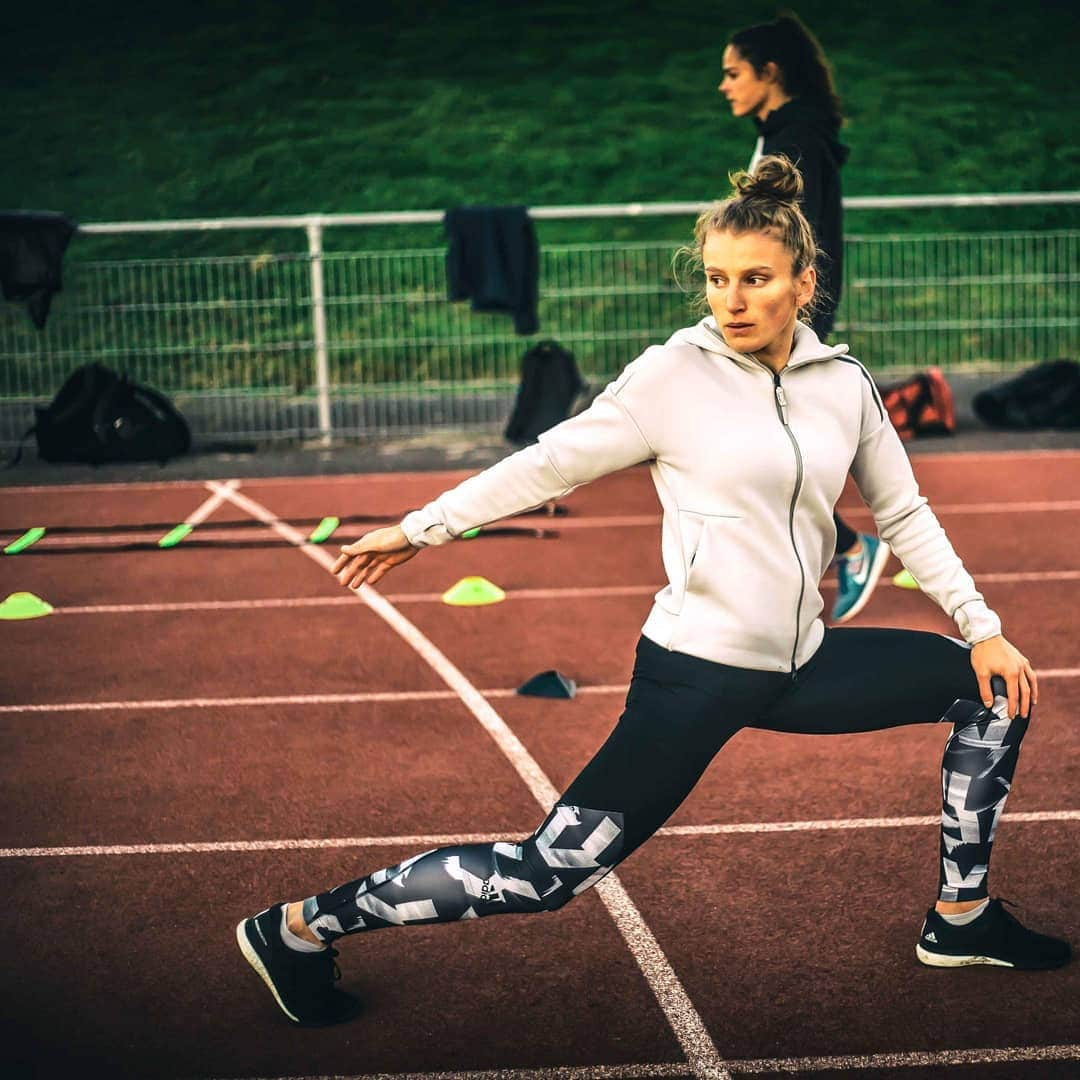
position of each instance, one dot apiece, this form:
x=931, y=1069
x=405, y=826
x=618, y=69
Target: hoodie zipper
x=782, y=413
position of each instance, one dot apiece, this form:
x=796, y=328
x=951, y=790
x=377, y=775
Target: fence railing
x=314, y=344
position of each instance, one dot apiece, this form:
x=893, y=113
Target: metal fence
x=364, y=343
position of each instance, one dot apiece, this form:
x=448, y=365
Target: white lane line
x=689, y=1028
x=553, y=1072
x=206, y=605
x=829, y=824
x=908, y=1059
x=283, y=699
x=747, y=1067
x=202, y=512
x=130, y=535
x=581, y=593
x=441, y=840
x=338, y=699
x=445, y=477
x=1048, y=506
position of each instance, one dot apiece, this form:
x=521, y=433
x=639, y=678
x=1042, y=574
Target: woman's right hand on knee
x=366, y=560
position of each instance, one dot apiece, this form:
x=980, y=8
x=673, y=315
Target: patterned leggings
x=680, y=710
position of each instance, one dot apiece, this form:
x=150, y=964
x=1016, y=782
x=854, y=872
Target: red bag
x=921, y=405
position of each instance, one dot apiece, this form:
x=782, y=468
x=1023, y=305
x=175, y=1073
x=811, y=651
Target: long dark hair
x=788, y=44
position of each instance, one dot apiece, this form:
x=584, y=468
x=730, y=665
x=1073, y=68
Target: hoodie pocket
x=700, y=534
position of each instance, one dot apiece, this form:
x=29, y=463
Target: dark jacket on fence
x=807, y=136
x=494, y=260
x=32, y=245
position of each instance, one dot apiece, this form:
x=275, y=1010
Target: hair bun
x=775, y=178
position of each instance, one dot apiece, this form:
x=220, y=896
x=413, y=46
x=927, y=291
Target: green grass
x=125, y=111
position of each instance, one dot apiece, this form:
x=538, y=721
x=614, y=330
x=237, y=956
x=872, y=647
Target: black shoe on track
x=995, y=937
x=302, y=983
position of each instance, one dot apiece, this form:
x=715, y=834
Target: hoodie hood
x=806, y=347
x=804, y=116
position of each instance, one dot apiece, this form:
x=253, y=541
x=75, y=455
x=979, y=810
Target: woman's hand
x=996, y=656
x=366, y=560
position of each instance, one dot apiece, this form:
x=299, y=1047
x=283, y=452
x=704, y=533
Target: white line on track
x=747, y=1067
x=171, y=704
x=441, y=477
x=577, y=593
x=210, y=847
x=282, y=699
x=1046, y=507
x=702, y=1056
x=203, y=511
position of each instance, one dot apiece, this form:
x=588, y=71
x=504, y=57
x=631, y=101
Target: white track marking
x=282, y=699
x=442, y=477
x=689, y=1029
x=1057, y=506
x=908, y=1059
x=748, y=1067
x=441, y=840
x=137, y=534
x=337, y=601
x=201, y=513
x=554, y=1072
x=338, y=699
x=572, y=593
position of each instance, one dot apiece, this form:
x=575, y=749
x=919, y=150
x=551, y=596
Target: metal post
x=318, y=322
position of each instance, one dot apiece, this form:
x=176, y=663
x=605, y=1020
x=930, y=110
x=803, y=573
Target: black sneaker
x=302, y=983
x=995, y=937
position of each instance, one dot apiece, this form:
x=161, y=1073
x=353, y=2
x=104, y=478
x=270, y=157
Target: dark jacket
x=807, y=136
x=493, y=259
x=32, y=245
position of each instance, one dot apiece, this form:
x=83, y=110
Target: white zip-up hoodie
x=748, y=466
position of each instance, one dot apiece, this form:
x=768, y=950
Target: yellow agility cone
x=472, y=592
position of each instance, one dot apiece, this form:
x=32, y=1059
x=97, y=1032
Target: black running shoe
x=302, y=983
x=995, y=937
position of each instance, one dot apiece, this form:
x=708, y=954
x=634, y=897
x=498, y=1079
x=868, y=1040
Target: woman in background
x=776, y=73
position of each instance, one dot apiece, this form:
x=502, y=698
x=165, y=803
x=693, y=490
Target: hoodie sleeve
x=883, y=473
x=603, y=439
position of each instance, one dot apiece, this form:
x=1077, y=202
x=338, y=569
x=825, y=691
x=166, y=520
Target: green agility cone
x=28, y=539
x=324, y=530
x=904, y=580
x=472, y=592
x=24, y=605
x=174, y=536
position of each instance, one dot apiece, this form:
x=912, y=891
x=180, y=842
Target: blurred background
x=123, y=112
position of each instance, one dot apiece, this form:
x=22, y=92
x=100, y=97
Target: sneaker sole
x=943, y=960
x=881, y=557
x=252, y=957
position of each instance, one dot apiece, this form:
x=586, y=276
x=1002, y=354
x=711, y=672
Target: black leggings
x=680, y=710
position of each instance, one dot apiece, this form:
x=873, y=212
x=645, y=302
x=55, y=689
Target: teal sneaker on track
x=857, y=575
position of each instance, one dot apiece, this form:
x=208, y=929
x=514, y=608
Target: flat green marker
x=471, y=533
x=31, y=536
x=324, y=530
x=174, y=536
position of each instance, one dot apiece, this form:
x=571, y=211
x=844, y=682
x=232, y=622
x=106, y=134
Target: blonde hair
x=764, y=201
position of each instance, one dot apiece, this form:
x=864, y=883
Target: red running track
x=234, y=729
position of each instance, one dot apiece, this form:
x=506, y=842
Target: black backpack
x=550, y=381
x=1044, y=396
x=99, y=416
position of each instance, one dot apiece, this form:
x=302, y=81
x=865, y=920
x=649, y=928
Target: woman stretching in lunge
x=748, y=500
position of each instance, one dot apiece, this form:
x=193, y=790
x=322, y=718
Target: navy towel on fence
x=493, y=259
x=32, y=245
